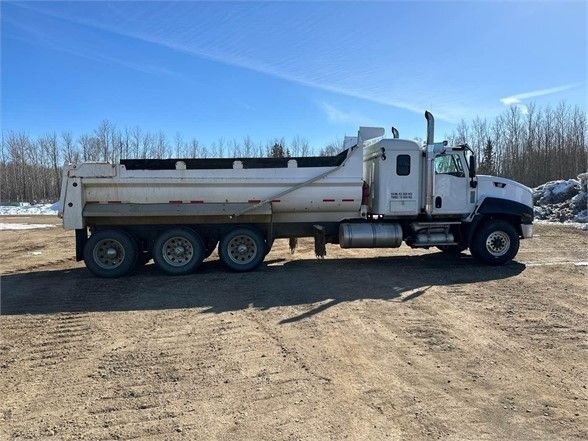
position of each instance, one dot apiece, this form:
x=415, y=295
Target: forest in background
x=531, y=145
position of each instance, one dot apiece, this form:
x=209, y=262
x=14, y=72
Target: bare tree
x=218, y=148
x=179, y=147
x=236, y=149
x=70, y=152
x=161, y=146
x=332, y=148
x=248, y=147
x=48, y=144
x=299, y=146
x=135, y=142
x=104, y=135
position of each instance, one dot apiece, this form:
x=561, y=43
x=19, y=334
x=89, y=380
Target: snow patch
x=25, y=209
x=13, y=227
x=555, y=192
x=579, y=225
x=563, y=201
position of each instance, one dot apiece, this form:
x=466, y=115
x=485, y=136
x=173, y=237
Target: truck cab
x=434, y=192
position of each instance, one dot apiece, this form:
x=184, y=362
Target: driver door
x=450, y=187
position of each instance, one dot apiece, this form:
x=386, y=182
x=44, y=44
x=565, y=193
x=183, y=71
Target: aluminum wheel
x=242, y=249
x=177, y=251
x=109, y=253
x=498, y=243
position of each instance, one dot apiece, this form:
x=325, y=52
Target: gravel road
x=363, y=345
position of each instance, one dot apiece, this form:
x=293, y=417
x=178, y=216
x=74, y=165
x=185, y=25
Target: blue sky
x=265, y=69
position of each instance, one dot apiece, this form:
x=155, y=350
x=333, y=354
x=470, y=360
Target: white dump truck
x=377, y=193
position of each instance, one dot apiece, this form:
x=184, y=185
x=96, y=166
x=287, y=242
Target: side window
x=449, y=165
x=403, y=165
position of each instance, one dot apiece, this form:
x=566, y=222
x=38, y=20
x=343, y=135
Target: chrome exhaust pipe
x=430, y=127
x=429, y=163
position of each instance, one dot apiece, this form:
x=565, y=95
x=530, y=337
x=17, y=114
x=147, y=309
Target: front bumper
x=527, y=230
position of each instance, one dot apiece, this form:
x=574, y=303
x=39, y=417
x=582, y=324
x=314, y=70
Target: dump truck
x=377, y=193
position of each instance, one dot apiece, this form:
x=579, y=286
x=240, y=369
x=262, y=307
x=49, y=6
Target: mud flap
x=293, y=243
x=320, y=248
x=81, y=239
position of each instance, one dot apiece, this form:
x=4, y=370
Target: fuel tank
x=370, y=235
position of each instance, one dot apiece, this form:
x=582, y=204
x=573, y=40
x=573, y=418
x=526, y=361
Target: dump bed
x=309, y=189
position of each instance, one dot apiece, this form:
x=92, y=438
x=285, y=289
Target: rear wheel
x=242, y=249
x=178, y=251
x=495, y=243
x=110, y=253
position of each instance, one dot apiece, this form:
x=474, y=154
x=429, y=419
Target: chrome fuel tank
x=370, y=235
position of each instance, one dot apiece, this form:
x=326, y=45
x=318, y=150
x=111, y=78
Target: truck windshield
x=449, y=164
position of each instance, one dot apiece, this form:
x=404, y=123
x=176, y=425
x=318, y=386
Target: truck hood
x=496, y=187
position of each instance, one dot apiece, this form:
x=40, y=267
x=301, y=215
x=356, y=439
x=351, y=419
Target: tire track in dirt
x=50, y=350
x=496, y=344
x=167, y=377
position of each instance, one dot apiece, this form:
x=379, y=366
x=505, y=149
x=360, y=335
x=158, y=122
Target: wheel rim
x=177, y=251
x=109, y=253
x=498, y=243
x=242, y=249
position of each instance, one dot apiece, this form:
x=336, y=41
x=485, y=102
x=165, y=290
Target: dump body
x=223, y=192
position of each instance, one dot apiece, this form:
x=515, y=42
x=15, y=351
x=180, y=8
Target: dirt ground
x=364, y=345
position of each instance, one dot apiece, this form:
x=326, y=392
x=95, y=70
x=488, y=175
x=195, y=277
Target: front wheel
x=242, y=249
x=495, y=243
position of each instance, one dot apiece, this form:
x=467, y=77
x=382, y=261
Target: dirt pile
x=562, y=201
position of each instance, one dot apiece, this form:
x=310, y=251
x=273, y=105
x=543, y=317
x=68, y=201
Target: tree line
x=529, y=145
x=30, y=168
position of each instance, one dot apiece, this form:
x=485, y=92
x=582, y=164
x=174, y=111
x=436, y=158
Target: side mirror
x=472, y=167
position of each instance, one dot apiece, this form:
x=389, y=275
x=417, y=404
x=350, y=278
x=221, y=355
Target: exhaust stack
x=429, y=163
x=430, y=127
x=394, y=132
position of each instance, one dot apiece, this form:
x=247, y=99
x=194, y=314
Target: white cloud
x=518, y=98
x=330, y=70
x=234, y=57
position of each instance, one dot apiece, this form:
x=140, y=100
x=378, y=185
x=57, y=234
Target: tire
x=110, y=253
x=242, y=249
x=495, y=243
x=178, y=251
x=452, y=249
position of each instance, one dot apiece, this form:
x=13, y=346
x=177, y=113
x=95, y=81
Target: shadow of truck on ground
x=275, y=283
